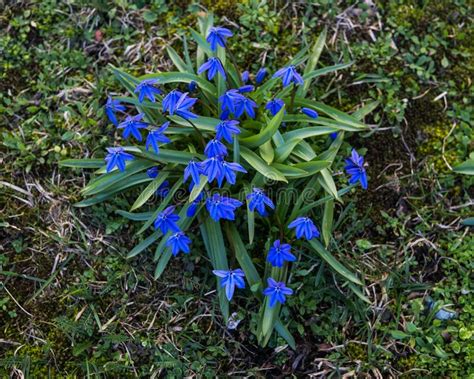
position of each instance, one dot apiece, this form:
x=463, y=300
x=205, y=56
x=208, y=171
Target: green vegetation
x=72, y=304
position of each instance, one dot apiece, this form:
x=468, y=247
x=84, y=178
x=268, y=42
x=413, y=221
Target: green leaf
x=198, y=189
x=261, y=166
x=326, y=70
x=283, y=151
x=144, y=244
x=215, y=247
x=283, y=331
x=134, y=216
x=177, y=61
x=266, y=133
x=201, y=42
x=266, y=152
x=149, y=191
x=326, y=227
x=207, y=124
x=330, y=125
x=164, y=156
x=308, y=132
x=360, y=113
x=313, y=61
x=327, y=182
x=399, y=335
x=466, y=167
x=82, y=163
x=335, y=264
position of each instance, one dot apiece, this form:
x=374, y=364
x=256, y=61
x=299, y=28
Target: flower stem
x=203, y=141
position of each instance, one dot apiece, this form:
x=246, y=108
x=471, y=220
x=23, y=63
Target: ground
x=71, y=304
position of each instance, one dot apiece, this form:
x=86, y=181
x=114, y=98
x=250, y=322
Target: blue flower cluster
x=233, y=104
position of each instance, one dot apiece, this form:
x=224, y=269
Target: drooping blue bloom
x=164, y=189
x=289, y=75
x=215, y=148
x=258, y=201
x=157, y=136
x=179, y=242
x=212, y=168
x=222, y=207
x=152, y=172
x=276, y=292
x=333, y=136
x=245, y=105
x=226, y=129
x=228, y=171
x=192, y=209
x=147, y=89
x=225, y=115
x=193, y=170
x=112, y=106
x=304, y=228
x=192, y=86
x=274, y=106
x=212, y=66
x=260, y=75
x=246, y=88
x=170, y=100
x=132, y=125
x=230, y=280
x=355, y=168
x=229, y=100
x=245, y=77
x=217, y=36
x=166, y=221
x=310, y=112
x=183, y=105
x=116, y=157
x=280, y=253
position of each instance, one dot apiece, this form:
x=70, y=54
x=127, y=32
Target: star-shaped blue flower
x=274, y=106
x=193, y=170
x=164, y=189
x=147, y=89
x=226, y=129
x=289, y=75
x=132, y=125
x=222, y=207
x=192, y=209
x=212, y=168
x=355, y=168
x=215, y=148
x=246, y=105
x=117, y=157
x=157, y=136
x=230, y=99
x=304, y=228
x=217, y=36
x=166, y=221
x=111, y=107
x=170, y=100
x=212, y=66
x=258, y=201
x=276, y=292
x=228, y=171
x=280, y=253
x=230, y=280
x=182, y=107
x=179, y=242
x=152, y=172
x=260, y=75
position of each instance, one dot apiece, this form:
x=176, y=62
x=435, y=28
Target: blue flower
x=112, y=106
x=280, y=253
x=212, y=168
x=245, y=77
x=230, y=280
x=183, y=105
x=226, y=129
x=214, y=66
x=152, y=172
x=155, y=136
x=247, y=105
x=179, y=242
x=246, y=88
x=217, y=36
x=222, y=207
x=276, y=291
x=304, y=227
x=355, y=168
x=131, y=125
x=116, y=157
x=310, y=112
x=258, y=200
x=146, y=89
x=164, y=189
x=274, y=106
x=166, y=221
x=215, y=148
x=228, y=172
x=229, y=100
x=261, y=75
x=289, y=75
x=224, y=115
x=192, y=86
x=170, y=100
x=192, y=209
x=193, y=170
x=333, y=136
